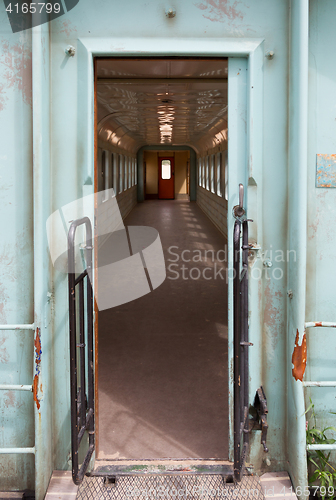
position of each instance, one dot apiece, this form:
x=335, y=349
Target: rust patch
x=4, y=357
x=220, y=10
x=38, y=352
x=299, y=357
x=67, y=28
x=35, y=387
x=9, y=399
x=16, y=63
x=318, y=323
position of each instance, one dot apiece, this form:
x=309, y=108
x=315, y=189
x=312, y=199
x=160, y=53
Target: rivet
x=269, y=54
x=70, y=51
x=170, y=13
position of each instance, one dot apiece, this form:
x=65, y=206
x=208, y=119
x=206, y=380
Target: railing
x=82, y=408
x=327, y=383
x=17, y=387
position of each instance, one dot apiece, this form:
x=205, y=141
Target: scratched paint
x=299, y=357
x=326, y=170
x=220, y=10
x=38, y=353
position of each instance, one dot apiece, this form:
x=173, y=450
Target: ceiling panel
x=139, y=104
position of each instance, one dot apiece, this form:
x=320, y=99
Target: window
x=200, y=171
x=132, y=180
x=115, y=172
x=104, y=173
x=207, y=176
x=125, y=172
x=225, y=168
x=218, y=175
x=203, y=172
x=121, y=173
x=166, y=169
x=130, y=172
x=212, y=173
x=135, y=172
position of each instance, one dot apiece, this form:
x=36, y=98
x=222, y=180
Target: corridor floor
x=162, y=365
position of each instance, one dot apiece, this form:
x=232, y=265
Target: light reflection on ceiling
x=162, y=101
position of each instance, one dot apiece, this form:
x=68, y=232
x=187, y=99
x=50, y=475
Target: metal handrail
x=322, y=383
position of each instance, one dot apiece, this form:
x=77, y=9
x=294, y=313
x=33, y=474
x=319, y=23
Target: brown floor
x=163, y=357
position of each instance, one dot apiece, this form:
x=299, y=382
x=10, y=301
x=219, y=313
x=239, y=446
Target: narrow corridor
x=163, y=358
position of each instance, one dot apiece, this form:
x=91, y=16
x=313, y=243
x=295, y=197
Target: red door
x=166, y=179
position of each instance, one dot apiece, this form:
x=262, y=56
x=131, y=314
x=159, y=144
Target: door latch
x=238, y=211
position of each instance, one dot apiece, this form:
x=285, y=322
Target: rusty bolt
x=70, y=51
x=290, y=294
x=170, y=12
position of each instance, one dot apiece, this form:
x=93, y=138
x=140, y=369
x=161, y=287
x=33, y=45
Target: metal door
x=166, y=179
x=241, y=337
x=81, y=351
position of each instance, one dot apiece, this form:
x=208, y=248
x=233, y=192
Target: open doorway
x=162, y=358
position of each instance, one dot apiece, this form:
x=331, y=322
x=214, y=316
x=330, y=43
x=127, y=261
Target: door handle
x=238, y=211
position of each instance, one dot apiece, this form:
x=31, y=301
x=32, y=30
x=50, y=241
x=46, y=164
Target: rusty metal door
x=81, y=351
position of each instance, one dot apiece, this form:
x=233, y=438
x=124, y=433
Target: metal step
x=174, y=485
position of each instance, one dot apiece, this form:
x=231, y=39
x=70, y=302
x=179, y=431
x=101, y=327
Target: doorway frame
x=253, y=51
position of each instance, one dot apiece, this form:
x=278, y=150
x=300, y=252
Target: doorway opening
x=162, y=364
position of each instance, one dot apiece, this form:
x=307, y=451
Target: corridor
x=162, y=365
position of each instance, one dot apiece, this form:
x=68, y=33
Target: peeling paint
x=67, y=28
x=299, y=357
x=4, y=356
x=38, y=353
x=16, y=66
x=326, y=170
x=220, y=10
x=9, y=399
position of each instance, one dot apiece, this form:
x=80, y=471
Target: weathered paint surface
x=325, y=170
x=299, y=357
x=196, y=20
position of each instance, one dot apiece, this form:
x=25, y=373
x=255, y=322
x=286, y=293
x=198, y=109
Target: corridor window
x=225, y=170
x=130, y=172
x=135, y=172
x=121, y=173
x=212, y=173
x=115, y=172
x=203, y=172
x=207, y=176
x=125, y=171
x=200, y=171
x=219, y=175
x=105, y=173
x=166, y=169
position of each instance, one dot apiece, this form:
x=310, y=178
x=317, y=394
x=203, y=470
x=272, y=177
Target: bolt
x=269, y=54
x=170, y=13
x=267, y=263
x=70, y=51
x=290, y=294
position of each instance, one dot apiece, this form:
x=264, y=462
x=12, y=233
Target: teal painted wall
x=321, y=269
x=70, y=162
